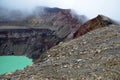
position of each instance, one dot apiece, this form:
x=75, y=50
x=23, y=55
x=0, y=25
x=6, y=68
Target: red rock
x=95, y=23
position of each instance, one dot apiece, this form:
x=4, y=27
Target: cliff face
x=30, y=41
x=93, y=56
x=36, y=33
x=63, y=21
x=95, y=23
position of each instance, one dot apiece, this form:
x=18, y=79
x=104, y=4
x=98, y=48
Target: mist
x=89, y=8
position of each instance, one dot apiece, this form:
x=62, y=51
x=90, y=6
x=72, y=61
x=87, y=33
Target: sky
x=89, y=8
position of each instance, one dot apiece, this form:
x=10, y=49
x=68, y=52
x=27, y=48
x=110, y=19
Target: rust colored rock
x=95, y=23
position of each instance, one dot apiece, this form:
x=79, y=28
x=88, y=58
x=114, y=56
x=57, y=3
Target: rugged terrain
x=95, y=23
x=33, y=34
x=93, y=56
x=37, y=32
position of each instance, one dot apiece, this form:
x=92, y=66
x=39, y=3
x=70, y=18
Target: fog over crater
x=89, y=8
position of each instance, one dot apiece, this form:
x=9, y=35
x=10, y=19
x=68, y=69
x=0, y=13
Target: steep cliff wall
x=37, y=32
x=30, y=42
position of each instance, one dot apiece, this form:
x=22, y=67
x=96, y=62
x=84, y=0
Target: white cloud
x=90, y=8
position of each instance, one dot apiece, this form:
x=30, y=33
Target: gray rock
x=99, y=59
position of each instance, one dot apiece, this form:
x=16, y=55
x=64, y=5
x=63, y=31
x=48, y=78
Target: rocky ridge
x=36, y=33
x=93, y=56
x=95, y=23
x=46, y=18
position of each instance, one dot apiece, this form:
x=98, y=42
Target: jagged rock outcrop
x=37, y=32
x=95, y=23
x=93, y=56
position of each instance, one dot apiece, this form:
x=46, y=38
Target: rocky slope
x=35, y=33
x=95, y=23
x=93, y=56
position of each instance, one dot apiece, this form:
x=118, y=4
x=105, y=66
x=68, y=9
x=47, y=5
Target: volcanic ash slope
x=93, y=56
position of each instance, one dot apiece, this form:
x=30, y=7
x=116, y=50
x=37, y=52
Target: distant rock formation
x=93, y=56
x=63, y=21
x=95, y=23
x=37, y=32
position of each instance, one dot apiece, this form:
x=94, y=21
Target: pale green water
x=13, y=63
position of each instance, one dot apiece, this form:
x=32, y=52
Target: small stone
x=70, y=53
x=92, y=51
x=46, y=79
x=81, y=52
x=48, y=56
x=9, y=73
x=84, y=42
x=78, y=66
x=65, y=66
x=118, y=44
x=56, y=64
x=57, y=58
x=72, y=50
x=99, y=78
x=97, y=51
x=105, y=48
x=78, y=60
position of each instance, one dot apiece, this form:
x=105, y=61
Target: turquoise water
x=13, y=63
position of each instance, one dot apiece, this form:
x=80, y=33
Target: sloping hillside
x=94, y=56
